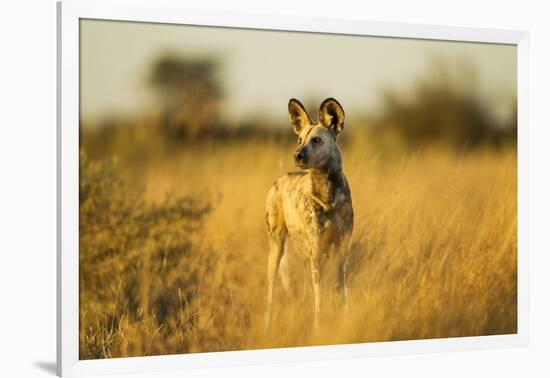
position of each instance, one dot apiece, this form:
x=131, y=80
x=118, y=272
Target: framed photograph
x=238, y=189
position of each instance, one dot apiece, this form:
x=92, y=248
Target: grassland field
x=174, y=249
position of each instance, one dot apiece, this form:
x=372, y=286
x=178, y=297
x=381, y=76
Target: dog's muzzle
x=300, y=158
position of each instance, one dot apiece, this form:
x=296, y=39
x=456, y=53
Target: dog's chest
x=315, y=213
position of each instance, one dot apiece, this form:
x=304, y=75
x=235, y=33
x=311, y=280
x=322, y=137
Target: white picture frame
x=170, y=11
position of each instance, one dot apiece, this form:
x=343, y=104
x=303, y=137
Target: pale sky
x=261, y=70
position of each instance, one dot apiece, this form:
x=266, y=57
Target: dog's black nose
x=300, y=155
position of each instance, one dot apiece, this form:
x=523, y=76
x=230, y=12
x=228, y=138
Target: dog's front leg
x=342, y=276
x=343, y=251
x=316, y=283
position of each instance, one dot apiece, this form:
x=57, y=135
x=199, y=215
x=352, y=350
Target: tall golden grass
x=173, y=251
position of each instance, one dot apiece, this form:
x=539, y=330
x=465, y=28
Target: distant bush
x=439, y=110
x=138, y=261
x=189, y=91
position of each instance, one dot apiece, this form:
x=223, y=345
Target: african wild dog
x=312, y=206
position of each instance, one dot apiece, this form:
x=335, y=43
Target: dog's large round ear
x=298, y=115
x=331, y=115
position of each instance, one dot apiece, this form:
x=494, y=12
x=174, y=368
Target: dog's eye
x=316, y=140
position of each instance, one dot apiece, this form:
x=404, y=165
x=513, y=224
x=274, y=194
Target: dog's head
x=316, y=141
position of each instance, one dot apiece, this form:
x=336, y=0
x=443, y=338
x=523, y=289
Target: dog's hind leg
x=277, y=232
x=276, y=251
x=283, y=270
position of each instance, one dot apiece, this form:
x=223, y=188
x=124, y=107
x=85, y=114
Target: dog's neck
x=325, y=182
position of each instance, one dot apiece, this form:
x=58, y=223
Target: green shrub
x=138, y=261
